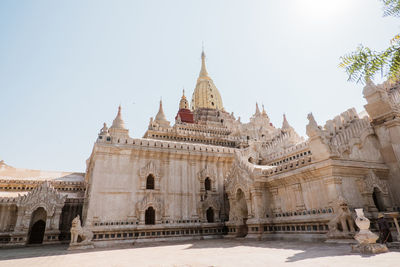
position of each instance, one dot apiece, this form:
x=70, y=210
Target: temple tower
x=206, y=94
x=184, y=113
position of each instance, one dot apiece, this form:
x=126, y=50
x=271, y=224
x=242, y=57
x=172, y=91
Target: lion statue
x=342, y=224
x=77, y=231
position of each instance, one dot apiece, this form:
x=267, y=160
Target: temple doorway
x=150, y=216
x=377, y=197
x=241, y=206
x=210, y=215
x=37, y=226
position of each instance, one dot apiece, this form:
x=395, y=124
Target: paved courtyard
x=199, y=253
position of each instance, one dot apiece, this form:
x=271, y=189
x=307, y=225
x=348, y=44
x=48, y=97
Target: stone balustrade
x=163, y=144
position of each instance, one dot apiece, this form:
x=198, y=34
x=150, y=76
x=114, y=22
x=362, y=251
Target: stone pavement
x=220, y=252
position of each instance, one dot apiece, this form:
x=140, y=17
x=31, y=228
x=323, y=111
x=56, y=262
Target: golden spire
x=203, y=71
x=206, y=94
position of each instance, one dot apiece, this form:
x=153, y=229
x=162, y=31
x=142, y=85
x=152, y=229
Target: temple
x=209, y=175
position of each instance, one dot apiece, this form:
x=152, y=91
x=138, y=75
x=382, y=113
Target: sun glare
x=322, y=9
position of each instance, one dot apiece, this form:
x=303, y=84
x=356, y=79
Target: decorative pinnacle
x=118, y=122
x=183, y=95
x=160, y=117
x=257, y=109
x=183, y=102
x=203, y=71
x=285, y=123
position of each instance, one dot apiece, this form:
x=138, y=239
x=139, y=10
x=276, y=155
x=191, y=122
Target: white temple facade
x=208, y=175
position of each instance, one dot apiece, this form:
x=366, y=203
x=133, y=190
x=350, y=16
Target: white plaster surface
x=222, y=252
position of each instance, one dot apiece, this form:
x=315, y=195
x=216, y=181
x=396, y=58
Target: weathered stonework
x=209, y=175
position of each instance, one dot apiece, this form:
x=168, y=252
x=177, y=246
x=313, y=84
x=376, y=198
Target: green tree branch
x=365, y=63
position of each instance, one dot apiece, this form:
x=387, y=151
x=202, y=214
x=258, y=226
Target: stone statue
x=78, y=231
x=312, y=128
x=104, y=130
x=340, y=224
x=365, y=238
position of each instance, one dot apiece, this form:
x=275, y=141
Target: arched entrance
x=150, y=216
x=210, y=215
x=37, y=226
x=242, y=212
x=378, y=201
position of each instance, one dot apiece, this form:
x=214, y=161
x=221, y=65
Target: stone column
x=48, y=223
x=192, y=174
x=219, y=188
x=232, y=207
x=250, y=213
x=141, y=218
x=26, y=220
x=20, y=216
x=56, y=219
x=165, y=172
x=257, y=203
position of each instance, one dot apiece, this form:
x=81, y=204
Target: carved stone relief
x=150, y=200
x=151, y=168
x=44, y=196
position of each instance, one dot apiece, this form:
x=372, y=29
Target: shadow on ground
x=307, y=249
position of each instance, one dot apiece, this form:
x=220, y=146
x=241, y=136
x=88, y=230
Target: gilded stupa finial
x=206, y=94
x=203, y=71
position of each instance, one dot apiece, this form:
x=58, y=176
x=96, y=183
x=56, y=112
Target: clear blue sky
x=65, y=66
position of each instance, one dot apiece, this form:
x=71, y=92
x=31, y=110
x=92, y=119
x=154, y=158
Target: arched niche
x=150, y=216
x=150, y=182
x=37, y=226
x=210, y=215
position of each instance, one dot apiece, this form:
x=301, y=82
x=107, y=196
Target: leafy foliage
x=391, y=8
x=365, y=63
